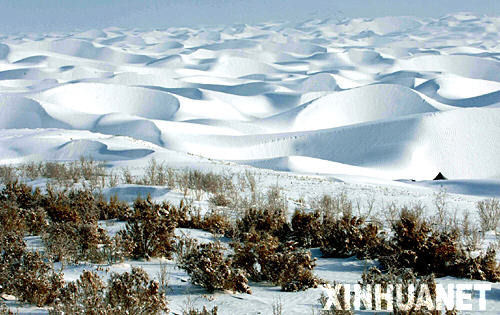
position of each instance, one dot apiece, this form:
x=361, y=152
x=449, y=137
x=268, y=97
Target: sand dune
x=395, y=97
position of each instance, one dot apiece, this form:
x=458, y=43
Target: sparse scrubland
x=267, y=243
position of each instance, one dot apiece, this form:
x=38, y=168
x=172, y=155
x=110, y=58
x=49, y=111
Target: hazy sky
x=55, y=15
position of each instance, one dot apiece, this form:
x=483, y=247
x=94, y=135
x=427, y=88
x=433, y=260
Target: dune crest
x=392, y=97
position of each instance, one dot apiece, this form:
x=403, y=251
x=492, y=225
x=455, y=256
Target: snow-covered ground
x=360, y=106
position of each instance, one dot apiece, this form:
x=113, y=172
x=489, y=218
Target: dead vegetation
x=208, y=267
x=150, y=230
x=127, y=293
x=267, y=244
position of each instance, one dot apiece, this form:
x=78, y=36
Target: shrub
x=85, y=295
x=203, y=311
x=75, y=206
x=404, y=278
x=10, y=219
x=134, y=293
x=127, y=293
x=416, y=245
x=307, y=228
x=256, y=254
x=207, y=267
x=217, y=223
x=350, y=236
x=186, y=216
x=85, y=203
x=116, y=248
x=7, y=173
x=150, y=229
x=21, y=194
x=36, y=220
x=334, y=207
x=71, y=242
x=26, y=274
x=219, y=200
x=296, y=269
x=19, y=204
x=489, y=214
x=155, y=174
x=114, y=209
x=267, y=220
x=264, y=258
x=480, y=267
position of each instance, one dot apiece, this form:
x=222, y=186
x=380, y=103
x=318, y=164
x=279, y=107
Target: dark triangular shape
x=440, y=177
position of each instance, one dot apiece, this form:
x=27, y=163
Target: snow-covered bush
x=270, y=220
x=404, y=278
x=307, y=228
x=72, y=242
x=203, y=311
x=26, y=274
x=417, y=245
x=150, y=229
x=127, y=293
x=7, y=174
x=113, y=209
x=335, y=206
x=208, y=267
x=489, y=214
x=216, y=222
x=350, y=236
x=264, y=258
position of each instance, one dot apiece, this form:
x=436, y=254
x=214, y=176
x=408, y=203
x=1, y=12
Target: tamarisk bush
x=207, y=267
x=127, y=293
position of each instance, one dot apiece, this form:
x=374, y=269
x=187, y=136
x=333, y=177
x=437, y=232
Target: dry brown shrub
x=150, y=229
x=7, y=174
x=350, y=236
x=265, y=220
x=113, y=209
x=416, y=245
x=207, y=267
x=21, y=194
x=203, y=311
x=264, y=258
x=134, y=293
x=307, y=228
x=127, y=293
x=216, y=222
x=72, y=242
x=489, y=214
x=26, y=274
x=220, y=200
x=11, y=219
x=404, y=278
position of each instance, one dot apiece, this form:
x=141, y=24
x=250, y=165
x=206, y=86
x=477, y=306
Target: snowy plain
x=374, y=108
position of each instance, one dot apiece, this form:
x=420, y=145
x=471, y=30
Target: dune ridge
x=394, y=97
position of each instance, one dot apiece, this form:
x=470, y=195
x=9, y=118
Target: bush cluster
x=350, y=236
x=404, y=277
x=417, y=245
x=127, y=293
x=208, y=267
x=26, y=274
x=263, y=220
x=73, y=242
x=150, y=229
x=489, y=214
x=264, y=258
x=203, y=311
x=307, y=228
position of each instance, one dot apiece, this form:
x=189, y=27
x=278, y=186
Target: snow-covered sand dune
x=371, y=103
x=396, y=97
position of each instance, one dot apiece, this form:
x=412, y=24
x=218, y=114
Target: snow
x=362, y=106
